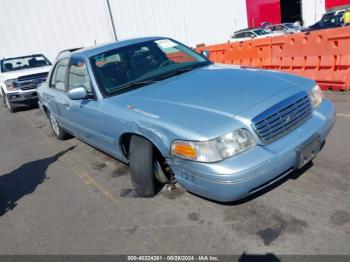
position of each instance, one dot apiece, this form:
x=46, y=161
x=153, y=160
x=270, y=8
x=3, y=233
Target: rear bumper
x=255, y=169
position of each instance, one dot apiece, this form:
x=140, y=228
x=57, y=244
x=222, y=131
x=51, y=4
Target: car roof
x=71, y=50
x=278, y=24
x=95, y=50
x=248, y=29
x=66, y=53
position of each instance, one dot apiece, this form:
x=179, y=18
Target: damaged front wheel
x=141, y=164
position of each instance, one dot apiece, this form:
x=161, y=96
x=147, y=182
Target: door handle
x=66, y=105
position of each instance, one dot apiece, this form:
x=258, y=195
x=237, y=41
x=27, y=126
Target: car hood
x=24, y=72
x=208, y=96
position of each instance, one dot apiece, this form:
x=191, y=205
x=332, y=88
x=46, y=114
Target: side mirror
x=77, y=93
x=205, y=53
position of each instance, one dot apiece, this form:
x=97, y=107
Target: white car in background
x=285, y=28
x=19, y=78
x=252, y=33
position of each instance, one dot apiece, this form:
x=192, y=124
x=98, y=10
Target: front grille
x=30, y=82
x=282, y=118
x=26, y=85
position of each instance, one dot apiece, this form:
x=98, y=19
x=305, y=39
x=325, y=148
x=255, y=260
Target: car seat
x=142, y=63
x=8, y=66
x=113, y=75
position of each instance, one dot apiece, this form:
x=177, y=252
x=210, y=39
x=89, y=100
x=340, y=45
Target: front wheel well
x=46, y=110
x=166, y=174
x=125, y=144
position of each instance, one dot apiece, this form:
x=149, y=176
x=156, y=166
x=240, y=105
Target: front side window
x=79, y=76
x=119, y=68
x=23, y=62
x=59, y=74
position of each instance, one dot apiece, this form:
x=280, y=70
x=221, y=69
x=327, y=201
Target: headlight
x=10, y=84
x=214, y=150
x=316, y=96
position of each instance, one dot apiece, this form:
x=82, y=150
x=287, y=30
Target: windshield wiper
x=178, y=72
x=135, y=84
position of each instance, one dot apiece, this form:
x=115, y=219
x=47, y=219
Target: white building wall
x=312, y=11
x=48, y=26
x=189, y=21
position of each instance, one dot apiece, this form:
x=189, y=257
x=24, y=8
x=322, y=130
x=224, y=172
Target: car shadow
x=269, y=257
x=24, y=181
x=293, y=175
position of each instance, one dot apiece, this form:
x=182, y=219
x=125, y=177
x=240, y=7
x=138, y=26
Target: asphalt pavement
x=65, y=198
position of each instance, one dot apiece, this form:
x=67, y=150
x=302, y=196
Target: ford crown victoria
x=222, y=132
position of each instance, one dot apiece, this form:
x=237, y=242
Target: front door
x=85, y=114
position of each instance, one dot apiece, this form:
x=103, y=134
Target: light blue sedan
x=222, y=132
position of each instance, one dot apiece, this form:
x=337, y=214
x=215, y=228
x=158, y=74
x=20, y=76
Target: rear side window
x=58, y=76
x=79, y=77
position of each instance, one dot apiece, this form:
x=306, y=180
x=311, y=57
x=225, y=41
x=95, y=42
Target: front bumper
x=255, y=169
x=22, y=98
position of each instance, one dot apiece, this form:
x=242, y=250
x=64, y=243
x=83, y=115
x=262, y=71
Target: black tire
x=3, y=97
x=8, y=104
x=57, y=130
x=141, y=161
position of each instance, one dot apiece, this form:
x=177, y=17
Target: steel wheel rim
x=54, y=125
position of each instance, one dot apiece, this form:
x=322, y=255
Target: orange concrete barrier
x=180, y=57
x=320, y=55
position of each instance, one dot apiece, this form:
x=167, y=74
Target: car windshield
x=332, y=18
x=262, y=31
x=23, y=62
x=143, y=63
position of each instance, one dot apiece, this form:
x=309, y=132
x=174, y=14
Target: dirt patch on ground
x=340, y=218
x=264, y=221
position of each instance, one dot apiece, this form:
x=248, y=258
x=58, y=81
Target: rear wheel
x=58, y=131
x=141, y=159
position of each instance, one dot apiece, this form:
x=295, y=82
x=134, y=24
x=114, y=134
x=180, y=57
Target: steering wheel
x=166, y=62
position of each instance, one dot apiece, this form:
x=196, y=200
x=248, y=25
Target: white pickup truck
x=19, y=78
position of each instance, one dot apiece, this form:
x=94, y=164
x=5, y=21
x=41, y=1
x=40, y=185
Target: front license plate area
x=308, y=151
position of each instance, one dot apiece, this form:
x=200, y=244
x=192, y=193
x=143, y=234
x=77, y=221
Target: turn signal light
x=184, y=150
